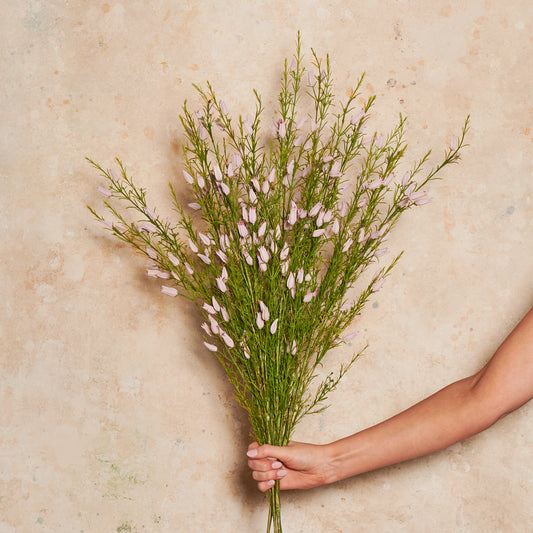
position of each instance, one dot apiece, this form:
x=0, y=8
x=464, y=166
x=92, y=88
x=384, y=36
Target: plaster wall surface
x=113, y=416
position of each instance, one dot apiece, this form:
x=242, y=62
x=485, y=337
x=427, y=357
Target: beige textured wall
x=113, y=417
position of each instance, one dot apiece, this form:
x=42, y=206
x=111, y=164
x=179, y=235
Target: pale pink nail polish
x=282, y=473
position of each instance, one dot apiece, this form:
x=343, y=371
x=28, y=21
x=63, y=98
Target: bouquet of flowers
x=277, y=231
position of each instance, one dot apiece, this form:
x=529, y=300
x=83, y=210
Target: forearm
x=448, y=416
x=456, y=412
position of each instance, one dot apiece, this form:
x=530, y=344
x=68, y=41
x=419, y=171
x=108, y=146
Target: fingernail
x=282, y=473
x=251, y=453
x=270, y=483
x=276, y=464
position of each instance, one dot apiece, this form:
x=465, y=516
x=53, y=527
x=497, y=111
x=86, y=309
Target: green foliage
x=278, y=234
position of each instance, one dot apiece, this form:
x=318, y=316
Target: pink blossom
x=405, y=179
x=315, y=209
x=309, y=296
x=256, y=184
x=222, y=255
x=163, y=275
x=454, y=143
x=114, y=177
x=224, y=188
x=209, y=308
x=284, y=267
x=152, y=272
x=272, y=175
x=189, y=268
x=266, y=187
x=193, y=246
x=265, y=313
x=284, y=252
x=381, y=251
x=252, y=215
x=246, y=352
x=170, y=291
x=223, y=108
x=293, y=213
x=362, y=235
x=302, y=213
x=248, y=258
x=380, y=141
x=243, y=230
x=311, y=79
x=274, y=326
x=146, y=226
x=300, y=275
x=173, y=259
x=262, y=229
x=204, y=238
x=319, y=232
x=277, y=233
x=363, y=201
x=252, y=196
x=291, y=281
x=224, y=313
x=263, y=254
x=215, y=328
x=200, y=181
x=259, y=321
x=375, y=184
x=218, y=173
x=205, y=259
x=104, y=191
x=195, y=206
x=388, y=179
x=150, y=252
x=216, y=305
x=262, y=266
x=227, y=339
x=210, y=347
x=347, y=245
x=308, y=277
x=202, y=132
x=282, y=130
x=224, y=274
x=188, y=178
x=206, y=328
x=335, y=226
x=237, y=159
x=221, y=284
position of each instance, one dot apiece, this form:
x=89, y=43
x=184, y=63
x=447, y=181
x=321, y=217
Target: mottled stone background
x=113, y=416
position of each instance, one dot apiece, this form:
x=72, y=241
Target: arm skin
x=454, y=413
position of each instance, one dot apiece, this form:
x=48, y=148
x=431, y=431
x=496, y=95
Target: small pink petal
x=274, y=326
x=104, y=191
x=205, y=259
x=210, y=347
x=195, y=206
x=170, y=291
x=188, y=178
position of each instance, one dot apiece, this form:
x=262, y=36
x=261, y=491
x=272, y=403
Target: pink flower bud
x=343, y=209
x=320, y=218
x=224, y=274
x=262, y=229
x=218, y=173
x=224, y=188
x=347, y=245
x=290, y=167
x=104, y=191
x=335, y=226
x=356, y=117
x=216, y=305
x=150, y=252
x=272, y=175
x=227, y=339
x=265, y=313
x=380, y=141
x=374, y=184
x=259, y=321
x=248, y=258
x=293, y=214
x=170, y=291
x=311, y=79
x=221, y=284
x=223, y=108
x=188, y=178
x=209, y=308
x=335, y=171
x=146, y=226
x=200, y=181
x=274, y=326
x=215, y=328
x=319, y=232
x=277, y=233
x=299, y=140
x=195, y=206
x=309, y=296
x=300, y=275
x=266, y=187
x=204, y=238
x=405, y=179
x=293, y=348
x=224, y=313
x=263, y=254
x=282, y=130
x=284, y=267
x=252, y=196
x=243, y=230
x=291, y=282
x=223, y=257
x=173, y=259
x=205, y=259
x=210, y=347
x=362, y=235
x=206, y=328
x=315, y=209
x=284, y=252
x=252, y=215
x=114, y=177
x=152, y=272
x=193, y=246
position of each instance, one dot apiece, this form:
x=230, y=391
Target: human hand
x=297, y=465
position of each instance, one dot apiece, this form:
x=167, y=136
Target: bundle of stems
x=274, y=239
